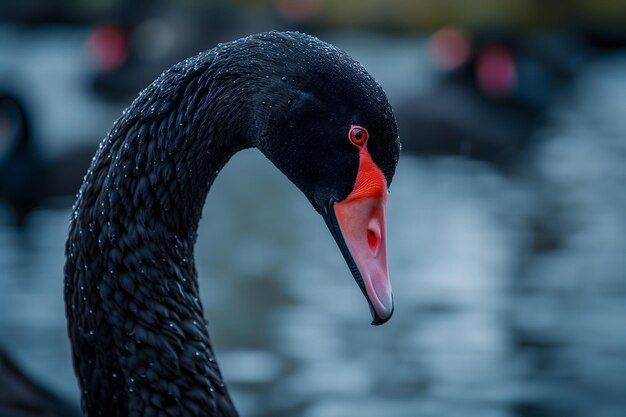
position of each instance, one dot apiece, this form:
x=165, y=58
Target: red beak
x=358, y=225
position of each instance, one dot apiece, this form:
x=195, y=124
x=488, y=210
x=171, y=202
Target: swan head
x=328, y=126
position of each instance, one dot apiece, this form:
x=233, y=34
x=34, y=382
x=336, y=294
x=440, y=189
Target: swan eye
x=358, y=135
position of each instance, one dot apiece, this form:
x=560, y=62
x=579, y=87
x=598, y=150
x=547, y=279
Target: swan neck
x=139, y=337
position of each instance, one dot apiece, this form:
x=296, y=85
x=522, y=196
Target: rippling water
x=510, y=291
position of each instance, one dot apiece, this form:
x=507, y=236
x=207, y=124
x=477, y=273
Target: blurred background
x=507, y=216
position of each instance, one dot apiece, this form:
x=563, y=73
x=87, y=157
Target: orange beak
x=358, y=225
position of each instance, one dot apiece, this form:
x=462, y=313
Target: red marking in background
x=450, y=48
x=108, y=46
x=495, y=71
x=298, y=10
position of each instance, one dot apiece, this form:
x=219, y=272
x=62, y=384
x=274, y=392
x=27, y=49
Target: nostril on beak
x=373, y=240
x=374, y=236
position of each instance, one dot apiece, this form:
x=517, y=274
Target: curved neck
x=138, y=332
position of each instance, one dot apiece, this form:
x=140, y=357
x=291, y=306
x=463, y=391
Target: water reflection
x=509, y=290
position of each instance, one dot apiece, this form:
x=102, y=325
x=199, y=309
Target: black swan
x=139, y=338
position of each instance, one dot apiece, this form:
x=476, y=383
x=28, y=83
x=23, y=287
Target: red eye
x=358, y=135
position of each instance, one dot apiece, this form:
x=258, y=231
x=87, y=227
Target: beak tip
x=378, y=320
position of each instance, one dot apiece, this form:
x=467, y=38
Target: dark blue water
x=510, y=291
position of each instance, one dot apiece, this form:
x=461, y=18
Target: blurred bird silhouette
x=27, y=176
x=494, y=92
x=20, y=167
